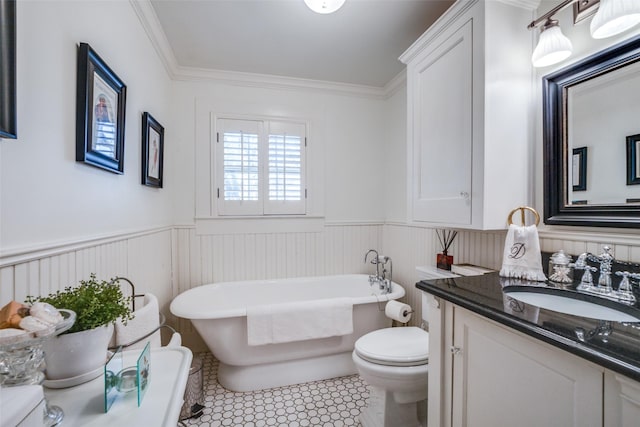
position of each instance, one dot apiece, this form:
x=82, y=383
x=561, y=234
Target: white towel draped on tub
x=299, y=321
x=146, y=319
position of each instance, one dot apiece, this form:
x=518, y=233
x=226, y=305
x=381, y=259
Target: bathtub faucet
x=380, y=277
x=386, y=283
x=372, y=278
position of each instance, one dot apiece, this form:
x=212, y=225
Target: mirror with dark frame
x=591, y=123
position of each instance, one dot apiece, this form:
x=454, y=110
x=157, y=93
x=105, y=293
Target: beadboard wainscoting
x=143, y=257
x=170, y=260
x=212, y=258
x=412, y=246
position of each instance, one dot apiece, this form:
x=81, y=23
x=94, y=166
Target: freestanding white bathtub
x=218, y=312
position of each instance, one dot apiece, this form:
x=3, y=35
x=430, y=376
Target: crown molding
x=525, y=4
x=267, y=81
x=396, y=84
x=450, y=15
x=151, y=24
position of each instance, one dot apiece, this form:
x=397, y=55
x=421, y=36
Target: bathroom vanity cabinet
x=499, y=377
x=469, y=92
x=486, y=370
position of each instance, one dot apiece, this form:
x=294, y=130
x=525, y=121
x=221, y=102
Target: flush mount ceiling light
x=324, y=6
x=613, y=17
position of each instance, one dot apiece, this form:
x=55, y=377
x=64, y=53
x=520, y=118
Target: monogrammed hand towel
x=522, y=258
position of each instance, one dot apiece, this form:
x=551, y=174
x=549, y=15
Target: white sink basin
x=574, y=303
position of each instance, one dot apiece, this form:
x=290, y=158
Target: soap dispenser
x=560, y=268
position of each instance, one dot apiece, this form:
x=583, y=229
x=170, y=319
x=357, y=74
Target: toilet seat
x=402, y=346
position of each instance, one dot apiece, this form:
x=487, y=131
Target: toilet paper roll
x=398, y=311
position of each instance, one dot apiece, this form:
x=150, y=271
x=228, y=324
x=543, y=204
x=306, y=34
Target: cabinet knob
x=464, y=194
x=455, y=350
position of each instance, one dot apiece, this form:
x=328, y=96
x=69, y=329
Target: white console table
x=83, y=405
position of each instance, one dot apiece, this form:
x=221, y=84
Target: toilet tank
x=430, y=272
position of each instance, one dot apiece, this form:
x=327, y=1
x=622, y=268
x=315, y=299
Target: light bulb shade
x=324, y=6
x=552, y=47
x=614, y=17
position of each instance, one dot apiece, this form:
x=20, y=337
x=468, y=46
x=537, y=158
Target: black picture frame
x=8, y=119
x=100, y=113
x=579, y=169
x=152, y=151
x=633, y=160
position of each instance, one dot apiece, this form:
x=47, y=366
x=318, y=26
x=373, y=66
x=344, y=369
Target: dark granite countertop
x=619, y=351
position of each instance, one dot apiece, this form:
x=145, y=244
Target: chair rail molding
x=18, y=255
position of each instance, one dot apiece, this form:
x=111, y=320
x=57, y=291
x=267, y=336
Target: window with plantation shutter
x=260, y=167
x=285, y=168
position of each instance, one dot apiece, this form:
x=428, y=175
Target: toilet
x=394, y=362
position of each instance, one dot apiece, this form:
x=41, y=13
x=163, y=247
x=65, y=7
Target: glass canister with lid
x=560, y=268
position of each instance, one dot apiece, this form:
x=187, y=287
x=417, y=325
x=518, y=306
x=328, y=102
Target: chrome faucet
x=386, y=283
x=604, y=281
x=625, y=290
x=604, y=288
x=586, y=282
x=603, y=330
x=380, y=277
x=373, y=278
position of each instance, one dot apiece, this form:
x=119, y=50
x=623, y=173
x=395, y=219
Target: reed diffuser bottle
x=444, y=261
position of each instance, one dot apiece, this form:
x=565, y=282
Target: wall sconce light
x=324, y=6
x=612, y=17
x=615, y=17
x=552, y=47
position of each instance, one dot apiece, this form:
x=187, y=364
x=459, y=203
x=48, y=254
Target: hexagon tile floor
x=330, y=403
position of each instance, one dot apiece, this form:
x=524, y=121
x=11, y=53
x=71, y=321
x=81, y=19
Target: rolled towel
x=147, y=318
x=522, y=258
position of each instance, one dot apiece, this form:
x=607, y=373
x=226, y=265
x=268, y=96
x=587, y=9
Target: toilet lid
x=402, y=346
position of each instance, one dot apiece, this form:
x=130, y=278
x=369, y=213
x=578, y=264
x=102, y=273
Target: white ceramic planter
x=77, y=357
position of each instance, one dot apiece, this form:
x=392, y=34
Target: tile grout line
x=334, y=402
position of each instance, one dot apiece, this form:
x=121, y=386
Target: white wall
x=395, y=156
x=47, y=197
x=345, y=153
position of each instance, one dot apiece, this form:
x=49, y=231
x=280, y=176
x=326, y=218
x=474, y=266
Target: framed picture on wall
x=8, y=122
x=579, y=169
x=152, y=151
x=100, y=113
x=633, y=160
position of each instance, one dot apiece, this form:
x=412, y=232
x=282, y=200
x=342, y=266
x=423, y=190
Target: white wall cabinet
x=469, y=92
x=482, y=373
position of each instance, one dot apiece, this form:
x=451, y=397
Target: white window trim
x=259, y=225
x=262, y=208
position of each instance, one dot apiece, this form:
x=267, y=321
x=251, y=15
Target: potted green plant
x=79, y=354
